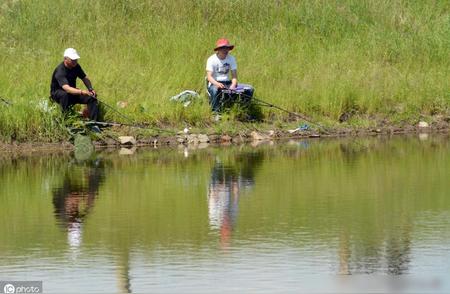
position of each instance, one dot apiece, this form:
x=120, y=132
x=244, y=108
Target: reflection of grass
x=26, y=203
x=317, y=57
x=320, y=188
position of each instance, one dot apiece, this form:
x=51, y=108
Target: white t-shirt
x=221, y=68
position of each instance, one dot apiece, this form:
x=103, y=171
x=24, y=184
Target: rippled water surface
x=301, y=216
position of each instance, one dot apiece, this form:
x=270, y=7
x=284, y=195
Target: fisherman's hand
x=220, y=86
x=92, y=93
x=232, y=87
x=88, y=93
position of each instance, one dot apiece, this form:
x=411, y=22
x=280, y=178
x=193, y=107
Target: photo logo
x=8, y=289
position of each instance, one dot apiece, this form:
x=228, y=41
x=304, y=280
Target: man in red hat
x=221, y=72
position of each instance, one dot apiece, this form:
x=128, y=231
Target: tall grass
x=317, y=57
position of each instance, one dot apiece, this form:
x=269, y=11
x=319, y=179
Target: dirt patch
x=34, y=148
x=204, y=139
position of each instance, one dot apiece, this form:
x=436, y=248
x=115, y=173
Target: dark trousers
x=218, y=100
x=66, y=100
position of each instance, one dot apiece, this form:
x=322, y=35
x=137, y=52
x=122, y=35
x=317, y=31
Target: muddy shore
x=204, y=139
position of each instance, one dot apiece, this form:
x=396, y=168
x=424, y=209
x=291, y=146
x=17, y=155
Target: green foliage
x=317, y=57
x=31, y=121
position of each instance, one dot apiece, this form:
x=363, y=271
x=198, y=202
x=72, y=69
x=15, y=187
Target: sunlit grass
x=321, y=58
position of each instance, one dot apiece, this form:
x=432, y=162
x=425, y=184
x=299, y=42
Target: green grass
x=321, y=58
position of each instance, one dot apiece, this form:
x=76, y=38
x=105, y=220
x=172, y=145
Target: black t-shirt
x=65, y=76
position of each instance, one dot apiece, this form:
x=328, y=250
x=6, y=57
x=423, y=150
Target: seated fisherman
x=63, y=89
x=221, y=72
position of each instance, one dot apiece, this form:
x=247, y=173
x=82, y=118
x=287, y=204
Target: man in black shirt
x=63, y=89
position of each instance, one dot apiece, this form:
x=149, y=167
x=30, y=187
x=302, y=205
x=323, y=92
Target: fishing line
x=133, y=123
x=267, y=104
x=116, y=111
x=243, y=123
x=303, y=117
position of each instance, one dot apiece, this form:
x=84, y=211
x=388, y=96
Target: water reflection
x=123, y=271
x=141, y=222
x=228, y=180
x=74, y=201
x=399, y=248
x=387, y=241
x=393, y=253
x=76, y=197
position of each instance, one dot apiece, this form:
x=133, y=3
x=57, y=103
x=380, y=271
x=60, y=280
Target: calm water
x=301, y=216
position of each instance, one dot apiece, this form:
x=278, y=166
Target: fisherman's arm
x=233, y=79
x=74, y=91
x=213, y=81
x=88, y=84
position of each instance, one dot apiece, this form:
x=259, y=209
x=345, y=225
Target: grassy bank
x=323, y=58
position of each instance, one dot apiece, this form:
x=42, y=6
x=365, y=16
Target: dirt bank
x=113, y=139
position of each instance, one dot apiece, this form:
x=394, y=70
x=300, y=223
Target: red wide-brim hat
x=223, y=43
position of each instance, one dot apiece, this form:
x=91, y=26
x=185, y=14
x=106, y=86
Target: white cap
x=71, y=53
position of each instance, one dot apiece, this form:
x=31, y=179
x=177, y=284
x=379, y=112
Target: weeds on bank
x=319, y=58
x=30, y=122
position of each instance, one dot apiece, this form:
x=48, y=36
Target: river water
x=300, y=216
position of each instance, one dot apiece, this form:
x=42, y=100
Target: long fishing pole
x=116, y=111
x=265, y=103
x=115, y=124
x=252, y=128
x=326, y=131
x=133, y=123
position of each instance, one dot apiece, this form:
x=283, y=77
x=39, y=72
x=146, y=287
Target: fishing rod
x=133, y=124
x=115, y=124
x=267, y=104
x=325, y=130
x=115, y=110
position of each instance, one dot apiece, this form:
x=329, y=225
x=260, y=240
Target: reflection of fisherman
x=223, y=197
x=75, y=198
x=224, y=190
